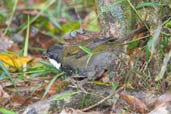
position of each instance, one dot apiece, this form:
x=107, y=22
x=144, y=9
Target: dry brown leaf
x=18, y=100
x=5, y=43
x=3, y=94
x=74, y=111
x=57, y=87
x=4, y=97
x=134, y=102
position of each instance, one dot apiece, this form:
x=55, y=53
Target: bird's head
x=54, y=55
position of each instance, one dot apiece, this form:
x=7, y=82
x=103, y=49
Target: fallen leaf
x=57, y=87
x=5, y=43
x=4, y=96
x=14, y=60
x=134, y=102
x=67, y=110
x=18, y=100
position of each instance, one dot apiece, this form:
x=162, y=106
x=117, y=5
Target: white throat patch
x=55, y=63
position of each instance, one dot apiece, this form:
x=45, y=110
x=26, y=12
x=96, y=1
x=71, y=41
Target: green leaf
x=53, y=19
x=63, y=96
x=5, y=111
x=85, y=49
x=115, y=86
x=148, y=4
x=168, y=24
x=71, y=26
x=51, y=82
x=149, y=43
x=58, y=8
x=43, y=7
x=88, y=51
x=93, y=24
x=147, y=48
x=133, y=44
x=165, y=41
x=26, y=43
x=88, y=60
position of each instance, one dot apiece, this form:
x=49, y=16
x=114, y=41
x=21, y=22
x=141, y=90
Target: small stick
x=101, y=101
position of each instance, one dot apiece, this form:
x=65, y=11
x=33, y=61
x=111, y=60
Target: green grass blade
x=46, y=5
x=51, y=82
x=135, y=10
x=4, y=69
x=85, y=49
x=88, y=60
x=5, y=111
x=66, y=95
x=115, y=86
x=148, y=4
x=12, y=15
x=53, y=19
x=58, y=8
x=88, y=51
x=25, y=53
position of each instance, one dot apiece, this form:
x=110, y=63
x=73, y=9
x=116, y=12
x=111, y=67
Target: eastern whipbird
x=98, y=64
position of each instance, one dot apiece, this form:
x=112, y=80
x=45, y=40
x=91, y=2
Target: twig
x=101, y=101
x=164, y=66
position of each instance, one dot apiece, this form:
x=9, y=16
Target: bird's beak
x=45, y=56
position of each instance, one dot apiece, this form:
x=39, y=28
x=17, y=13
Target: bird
x=99, y=63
